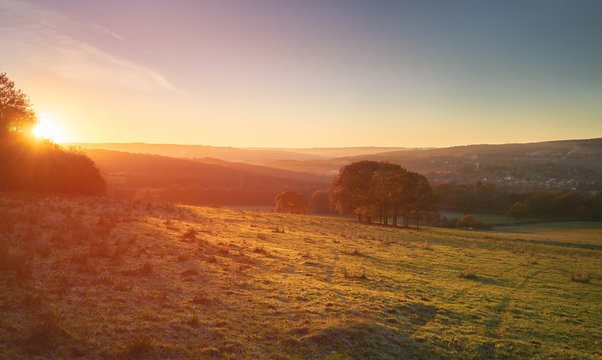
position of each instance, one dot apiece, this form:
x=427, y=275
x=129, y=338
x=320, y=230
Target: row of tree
x=370, y=190
x=382, y=190
x=485, y=197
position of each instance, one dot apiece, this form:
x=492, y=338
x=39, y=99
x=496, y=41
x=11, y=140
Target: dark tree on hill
x=487, y=194
x=319, y=202
x=38, y=165
x=291, y=203
x=388, y=191
x=368, y=188
x=351, y=191
x=16, y=114
x=467, y=221
x=418, y=197
x=518, y=210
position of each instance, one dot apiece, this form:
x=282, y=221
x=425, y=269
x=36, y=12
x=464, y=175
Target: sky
x=284, y=73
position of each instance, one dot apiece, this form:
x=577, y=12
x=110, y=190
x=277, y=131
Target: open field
x=85, y=277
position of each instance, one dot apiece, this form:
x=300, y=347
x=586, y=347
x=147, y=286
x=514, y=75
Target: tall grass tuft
x=580, y=275
x=44, y=332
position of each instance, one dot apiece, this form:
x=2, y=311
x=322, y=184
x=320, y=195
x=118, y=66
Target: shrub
x=45, y=329
x=138, y=347
x=467, y=221
x=468, y=274
x=190, y=235
x=580, y=275
x=290, y=202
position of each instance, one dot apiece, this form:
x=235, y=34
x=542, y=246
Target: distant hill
x=548, y=165
x=256, y=156
x=568, y=164
x=199, y=181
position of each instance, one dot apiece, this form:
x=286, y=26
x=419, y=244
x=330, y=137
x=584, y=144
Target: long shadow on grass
x=555, y=243
x=361, y=341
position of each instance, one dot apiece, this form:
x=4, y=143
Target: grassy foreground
x=98, y=278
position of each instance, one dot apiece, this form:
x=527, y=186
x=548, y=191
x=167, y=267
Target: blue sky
x=309, y=73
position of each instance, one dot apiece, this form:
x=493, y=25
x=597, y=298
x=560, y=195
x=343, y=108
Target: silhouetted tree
x=518, y=210
x=351, y=191
x=38, y=165
x=417, y=197
x=319, y=202
x=467, y=221
x=487, y=194
x=16, y=113
x=368, y=188
x=290, y=202
x=388, y=190
x=564, y=204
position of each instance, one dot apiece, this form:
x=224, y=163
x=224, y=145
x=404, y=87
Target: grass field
x=95, y=278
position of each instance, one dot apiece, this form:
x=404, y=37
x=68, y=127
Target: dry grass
x=142, y=280
x=580, y=275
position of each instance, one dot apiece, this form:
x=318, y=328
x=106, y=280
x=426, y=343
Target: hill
x=258, y=156
x=520, y=167
x=199, y=181
x=567, y=164
x=89, y=278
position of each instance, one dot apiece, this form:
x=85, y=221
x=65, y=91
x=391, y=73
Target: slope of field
x=98, y=278
x=199, y=181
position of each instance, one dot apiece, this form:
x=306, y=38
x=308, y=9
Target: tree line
x=485, y=197
x=381, y=190
x=373, y=190
x=28, y=164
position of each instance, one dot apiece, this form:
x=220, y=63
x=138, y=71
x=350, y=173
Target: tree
x=16, y=113
x=467, y=221
x=518, y=210
x=417, y=197
x=487, y=194
x=351, y=191
x=291, y=203
x=40, y=166
x=319, y=202
x=368, y=188
x=388, y=190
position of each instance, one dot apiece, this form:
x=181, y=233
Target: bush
x=291, y=203
x=580, y=275
x=467, y=221
x=468, y=274
x=45, y=330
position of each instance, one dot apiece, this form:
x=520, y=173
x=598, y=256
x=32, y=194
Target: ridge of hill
x=256, y=156
x=523, y=167
x=198, y=181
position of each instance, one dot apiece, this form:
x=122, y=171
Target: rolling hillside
x=521, y=167
x=199, y=181
x=90, y=278
x=257, y=156
x=517, y=167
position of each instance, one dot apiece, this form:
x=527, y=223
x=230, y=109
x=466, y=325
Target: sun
x=48, y=128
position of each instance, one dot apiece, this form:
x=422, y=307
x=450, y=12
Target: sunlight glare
x=48, y=128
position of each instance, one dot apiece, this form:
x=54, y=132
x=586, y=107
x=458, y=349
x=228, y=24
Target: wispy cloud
x=47, y=39
x=104, y=31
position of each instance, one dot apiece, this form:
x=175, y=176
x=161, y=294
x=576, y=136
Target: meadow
x=96, y=278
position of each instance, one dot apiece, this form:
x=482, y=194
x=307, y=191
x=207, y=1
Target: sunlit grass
x=144, y=280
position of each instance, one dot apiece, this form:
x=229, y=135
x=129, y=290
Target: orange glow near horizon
x=48, y=128
x=305, y=74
